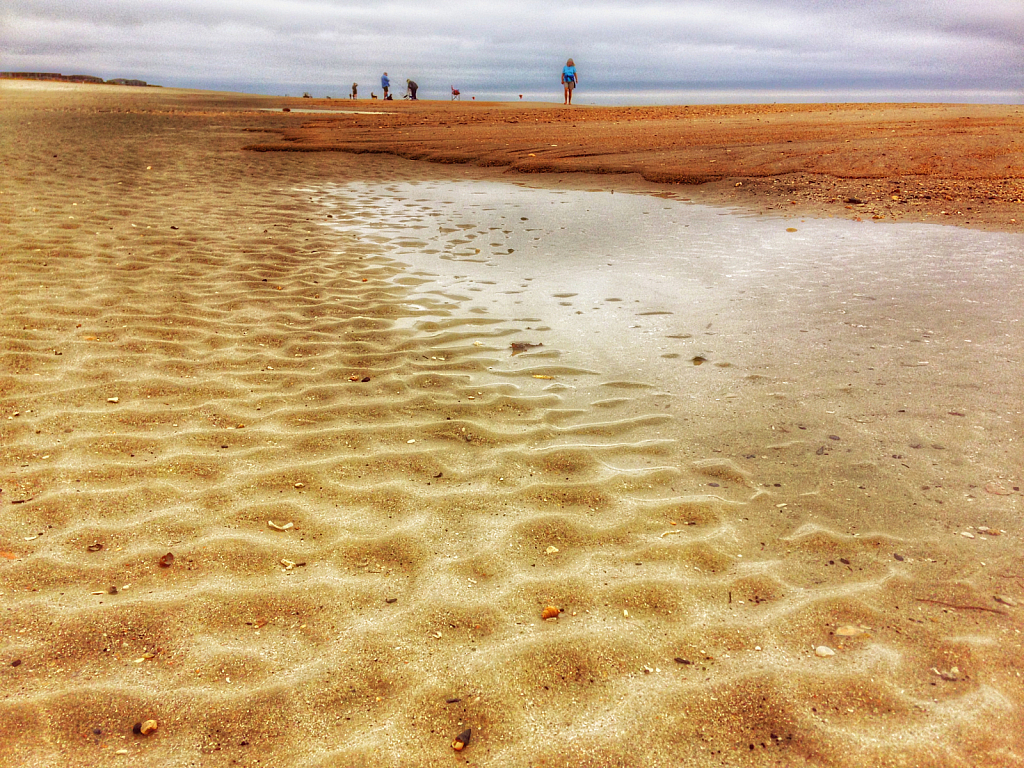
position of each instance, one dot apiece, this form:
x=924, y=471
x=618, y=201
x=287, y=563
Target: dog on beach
x=373, y=95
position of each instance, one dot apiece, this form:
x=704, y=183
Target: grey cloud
x=504, y=47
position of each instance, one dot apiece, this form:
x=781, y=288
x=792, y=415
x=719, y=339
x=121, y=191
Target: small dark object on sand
x=462, y=740
x=166, y=560
x=522, y=346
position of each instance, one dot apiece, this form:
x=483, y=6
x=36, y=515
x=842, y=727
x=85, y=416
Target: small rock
x=967, y=534
x=824, y=651
x=166, y=560
x=148, y=727
x=390, y=600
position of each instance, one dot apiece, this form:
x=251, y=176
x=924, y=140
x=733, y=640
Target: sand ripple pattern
x=180, y=370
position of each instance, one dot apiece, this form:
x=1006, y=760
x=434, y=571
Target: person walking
x=569, y=79
x=412, y=89
x=355, y=90
x=385, y=84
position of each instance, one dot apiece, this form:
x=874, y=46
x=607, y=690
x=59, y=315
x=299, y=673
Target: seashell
x=462, y=740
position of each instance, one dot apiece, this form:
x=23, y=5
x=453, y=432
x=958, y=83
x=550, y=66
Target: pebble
x=967, y=534
x=146, y=728
x=824, y=651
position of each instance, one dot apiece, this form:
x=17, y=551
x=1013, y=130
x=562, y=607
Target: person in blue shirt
x=385, y=84
x=569, y=79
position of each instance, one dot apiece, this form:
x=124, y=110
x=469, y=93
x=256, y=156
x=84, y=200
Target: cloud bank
x=693, y=46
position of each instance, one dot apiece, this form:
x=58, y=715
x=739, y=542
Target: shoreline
x=946, y=164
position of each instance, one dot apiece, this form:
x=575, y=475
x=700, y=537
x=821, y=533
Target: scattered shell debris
x=276, y=527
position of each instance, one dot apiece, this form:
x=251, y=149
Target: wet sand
x=949, y=164
x=804, y=550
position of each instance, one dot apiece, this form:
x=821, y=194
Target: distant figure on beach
x=569, y=80
x=355, y=89
x=385, y=84
x=412, y=89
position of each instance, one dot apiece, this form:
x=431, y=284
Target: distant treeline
x=71, y=78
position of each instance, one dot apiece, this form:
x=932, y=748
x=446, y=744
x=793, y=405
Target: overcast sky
x=639, y=50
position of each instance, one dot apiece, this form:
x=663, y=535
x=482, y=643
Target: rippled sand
x=199, y=342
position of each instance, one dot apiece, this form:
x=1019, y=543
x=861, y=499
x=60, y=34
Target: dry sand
x=190, y=354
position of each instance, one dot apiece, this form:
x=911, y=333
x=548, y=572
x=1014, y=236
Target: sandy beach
x=314, y=454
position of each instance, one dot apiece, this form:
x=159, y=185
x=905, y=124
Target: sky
x=626, y=51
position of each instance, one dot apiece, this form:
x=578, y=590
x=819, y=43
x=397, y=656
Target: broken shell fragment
x=848, y=630
x=551, y=612
x=166, y=560
x=462, y=740
x=276, y=527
